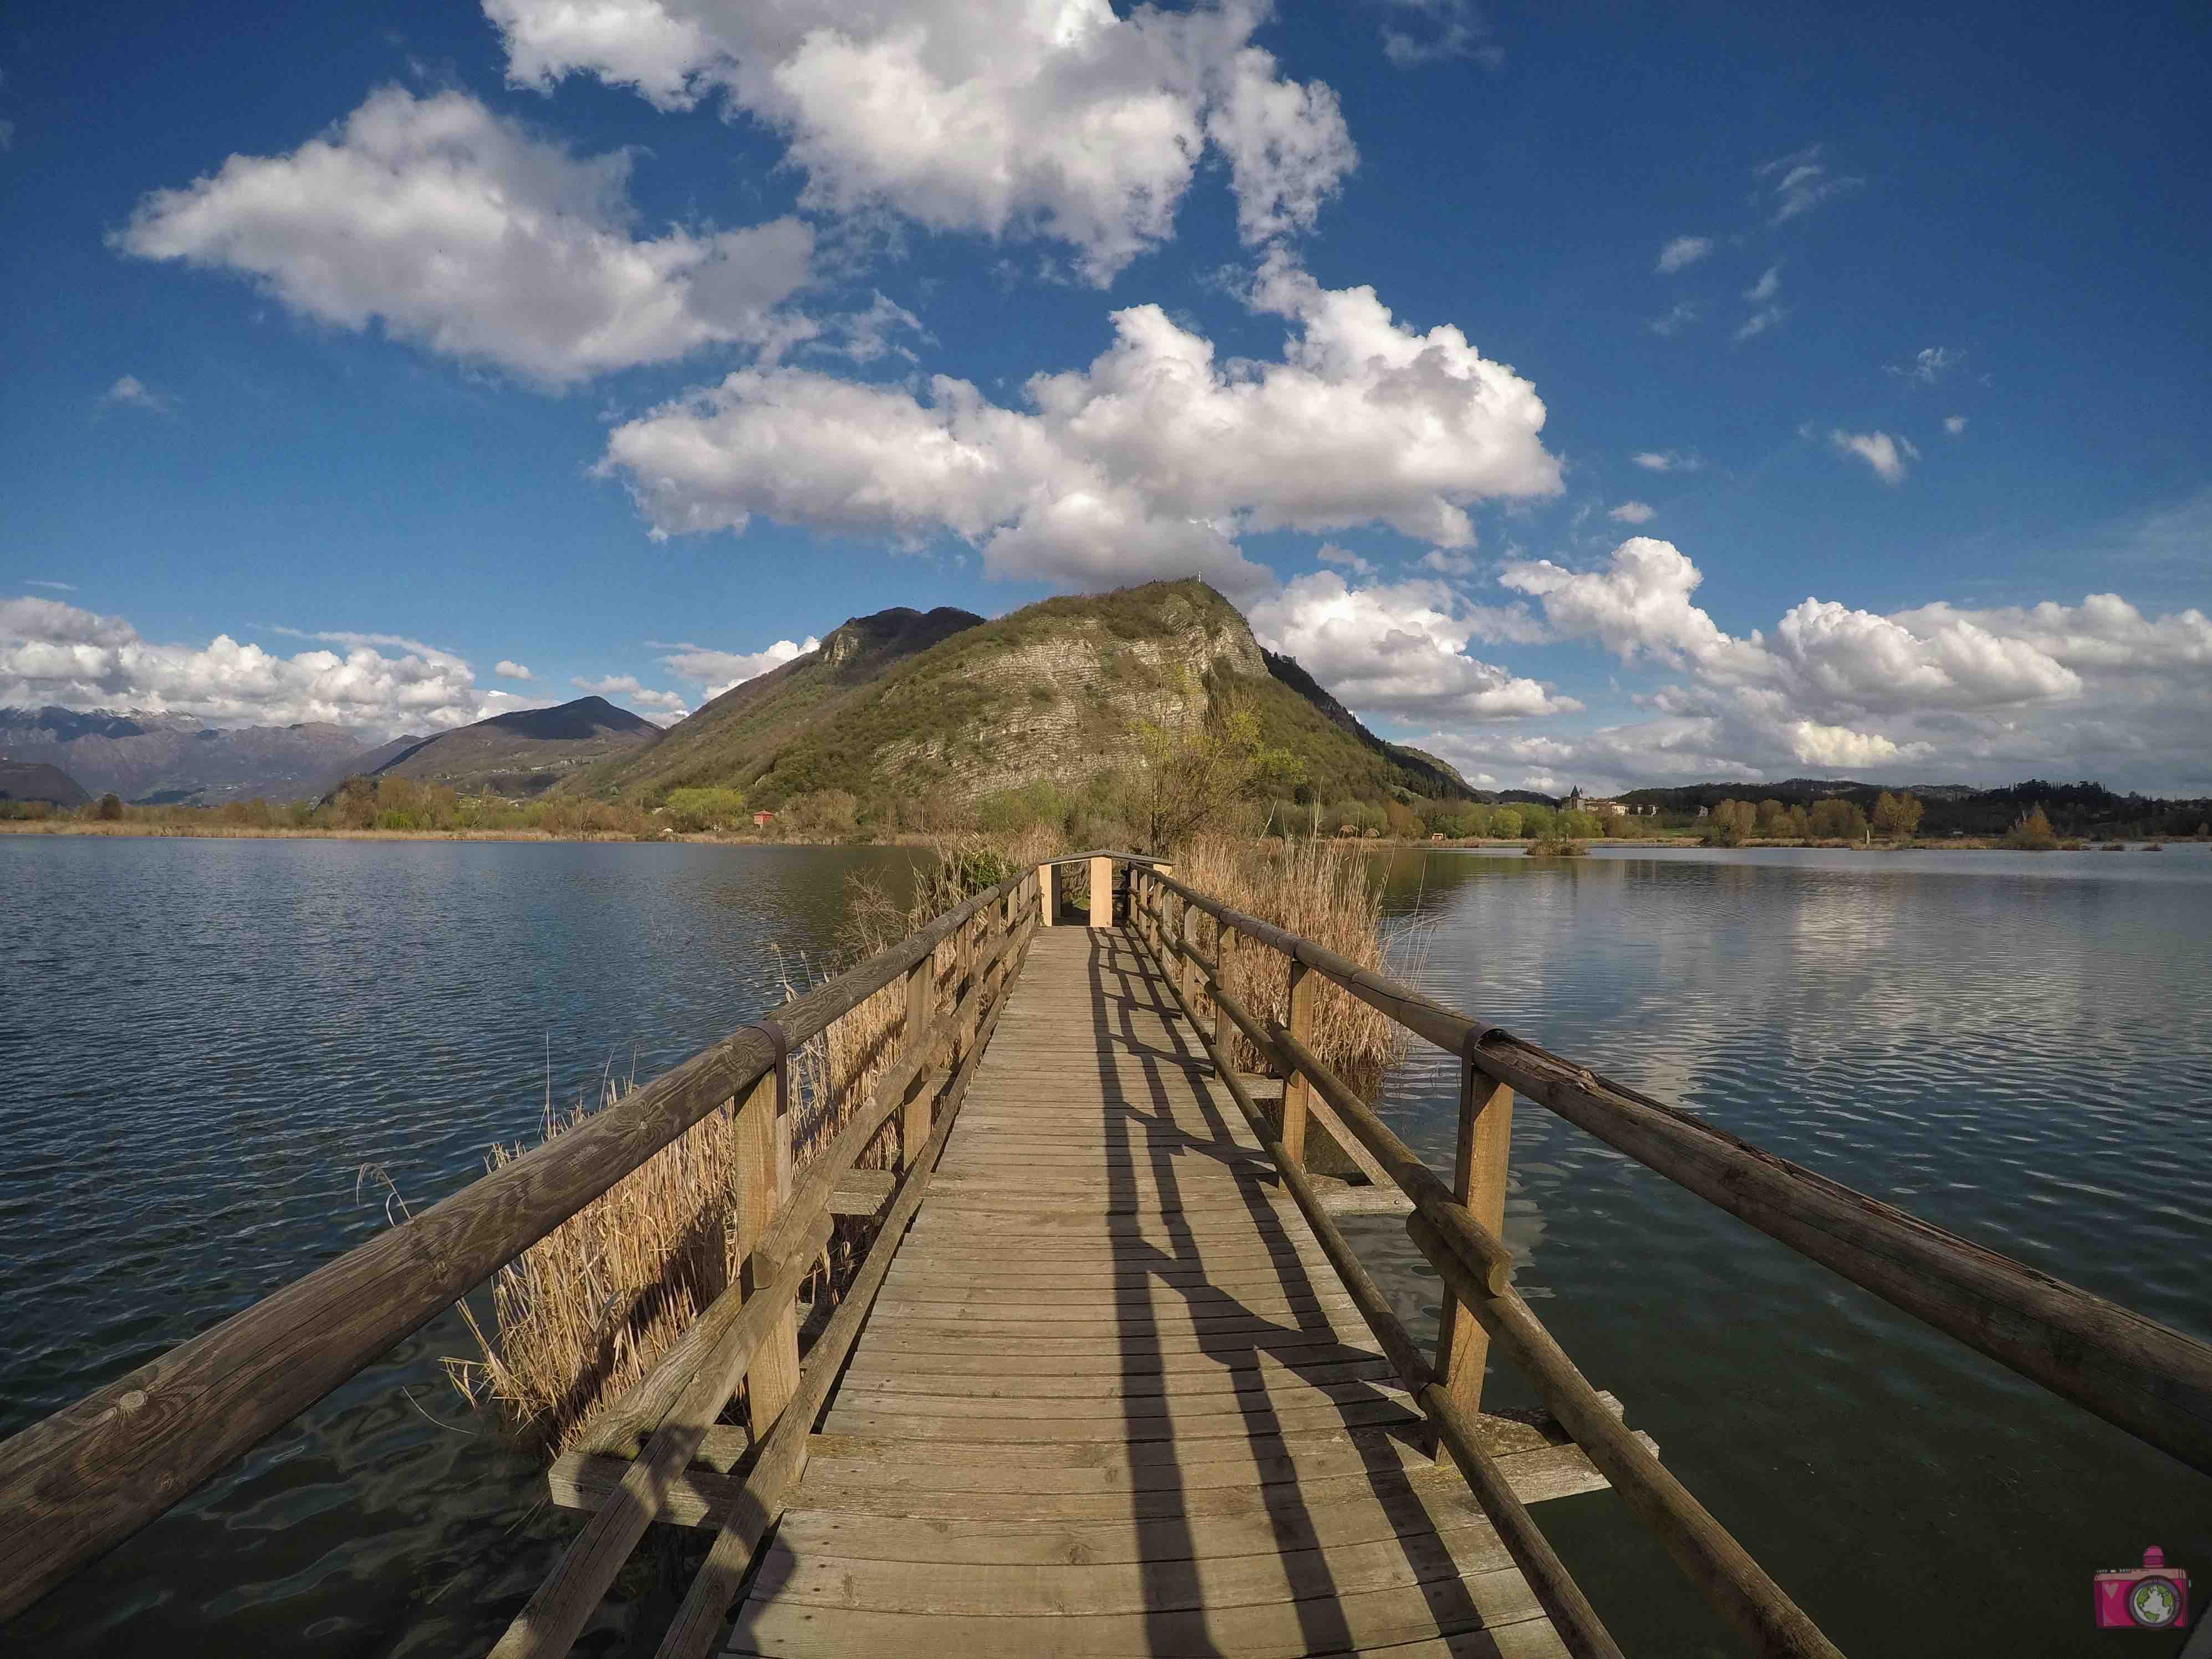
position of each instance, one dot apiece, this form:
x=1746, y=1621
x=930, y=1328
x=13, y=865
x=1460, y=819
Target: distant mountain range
x=164, y=758
x=522, y=753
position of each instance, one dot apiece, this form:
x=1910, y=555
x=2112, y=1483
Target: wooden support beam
x=921, y=1038
x=775, y=1370
x=1048, y=895
x=1102, y=892
x=1295, y=1088
x=1479, y=1175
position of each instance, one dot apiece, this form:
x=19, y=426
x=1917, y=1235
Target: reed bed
x=584, y=1314
x=1321, y=890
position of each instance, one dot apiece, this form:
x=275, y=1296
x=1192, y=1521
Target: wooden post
x=1295, y=1086
x=1486, y=1137
x=774, y=1373
x=1102, y=892
x=1222, y=1029
x=920, y=1035
x=1045, y=905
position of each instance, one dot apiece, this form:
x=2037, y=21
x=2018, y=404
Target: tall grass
x=584, y=1313
x=1321, y=890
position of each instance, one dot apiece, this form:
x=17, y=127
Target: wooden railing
x=2144, y=1377
x=89, y=1476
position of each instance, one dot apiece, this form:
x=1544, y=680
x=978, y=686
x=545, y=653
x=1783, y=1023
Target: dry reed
x=1319, y=890
x=584, y=1314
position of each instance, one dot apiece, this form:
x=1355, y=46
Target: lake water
x=203, y=1042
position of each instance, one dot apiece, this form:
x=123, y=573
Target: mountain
x=736, y=734
x=1053, y=693
x=525, y=752
x=174, y=757
x=38, y=781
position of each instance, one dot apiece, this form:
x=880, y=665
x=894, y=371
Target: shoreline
x=709, y=838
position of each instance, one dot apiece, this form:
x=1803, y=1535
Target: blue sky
x=1631, y=396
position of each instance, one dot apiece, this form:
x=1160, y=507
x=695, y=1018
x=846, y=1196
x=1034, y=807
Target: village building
x=1578, y=802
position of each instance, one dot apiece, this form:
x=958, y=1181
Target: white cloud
x=1345, y=558
x=1797, y=183
x=1441, y=29
x=1993, y=694
x=1929, y=365
x=511, y=671
x=1766, y=312
x=132, y=393
x=1449, y=562
x=7, y=135
x=1631, y=513
x=1398, y=650
x=662, y=708
x=1150, y=462
x=1668, y=461
x=1678, y=318
x=1681, y=253
x=53, y=652
x=460, y=231
x=865, y=336
x=58, y=587
x=1885, y=454
x=1955, y=424
x=1053, y=118
x=724, y=671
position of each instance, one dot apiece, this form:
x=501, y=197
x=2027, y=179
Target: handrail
x=2147, y=1378
x=81, y=1480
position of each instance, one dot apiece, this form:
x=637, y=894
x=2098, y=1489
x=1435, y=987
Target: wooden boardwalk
x=1112, y=1399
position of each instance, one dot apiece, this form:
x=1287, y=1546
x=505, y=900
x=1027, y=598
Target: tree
x=1773, y=818
x=1837, y=819
x=1198, y=776
x=2032, y=832
x=1897, y=816
x=110, y=809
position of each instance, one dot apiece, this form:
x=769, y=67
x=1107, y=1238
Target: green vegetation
x=1897, y=816
x=2032, y=833
x=1557, y=847
x=694, y=810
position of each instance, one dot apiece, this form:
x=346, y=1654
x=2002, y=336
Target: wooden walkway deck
x=1114, y=1400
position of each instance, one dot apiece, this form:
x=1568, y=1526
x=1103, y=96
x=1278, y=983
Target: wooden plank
x=1355, y=1517
x=1029, y=1590
x=1279, y=1630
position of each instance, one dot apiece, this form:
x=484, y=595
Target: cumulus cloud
x=1345, y=558
x=129, y=392
x=1151, y=461
x=1632, y=512
x=1668, y=461
x=1927, y=365
x=511, y=671
x=661, y=707
x=54, y=652
x=1681, y=253
x=1796, y=184
x=1988, y=693
x=459, y=231
x=1885, y=454
x=1397, y=650
x=1059, y=118
x=724, y=671
x=1955, y=424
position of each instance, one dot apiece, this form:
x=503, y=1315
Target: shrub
x=1837, y=819
x=694, y=809
x=1558, y=847
x=2032, y=833
x=110, y=809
